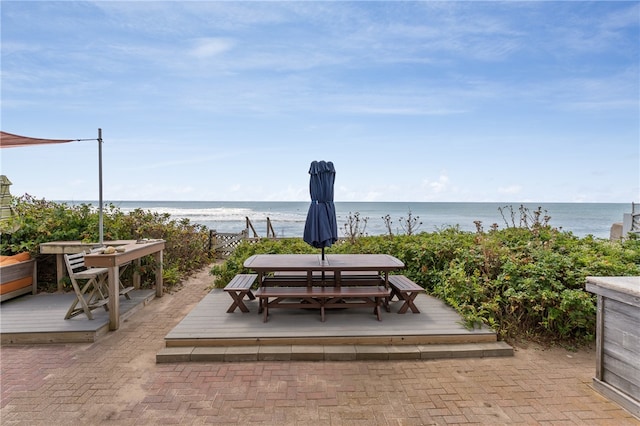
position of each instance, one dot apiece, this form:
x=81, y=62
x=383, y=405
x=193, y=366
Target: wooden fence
x=222, y=244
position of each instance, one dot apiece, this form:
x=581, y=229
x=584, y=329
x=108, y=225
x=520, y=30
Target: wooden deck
x=208, y=333
x=209, y=325
x=37, y=319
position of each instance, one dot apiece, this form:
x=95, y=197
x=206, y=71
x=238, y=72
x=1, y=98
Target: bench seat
x=405, y=289
x=291, y=281
x=321, y=297
x=238, y=288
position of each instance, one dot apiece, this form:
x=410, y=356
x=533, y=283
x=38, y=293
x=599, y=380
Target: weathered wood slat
x=18, y=279
x=618, y=339
x=618, y=374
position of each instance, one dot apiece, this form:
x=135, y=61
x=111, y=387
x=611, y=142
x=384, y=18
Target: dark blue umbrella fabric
x=321, y=227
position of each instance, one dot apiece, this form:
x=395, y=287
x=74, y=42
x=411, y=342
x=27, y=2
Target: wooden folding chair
x=89, y=285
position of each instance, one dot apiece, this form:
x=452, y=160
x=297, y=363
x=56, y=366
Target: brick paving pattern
x=116, y=381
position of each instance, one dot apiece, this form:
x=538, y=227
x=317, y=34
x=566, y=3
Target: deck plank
x=40, y=318
x=208, y=324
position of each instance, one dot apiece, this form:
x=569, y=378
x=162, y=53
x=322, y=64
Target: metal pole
x=100, y=223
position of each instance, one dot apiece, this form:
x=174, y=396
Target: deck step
x=331, y=352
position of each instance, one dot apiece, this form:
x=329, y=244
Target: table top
x=73, y=247
x=627, y=285
x=131, y=252
x=314, y=262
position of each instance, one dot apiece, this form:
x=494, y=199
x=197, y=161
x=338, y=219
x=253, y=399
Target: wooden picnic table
x=333, y=264
x=131, y=252
x=372, y=292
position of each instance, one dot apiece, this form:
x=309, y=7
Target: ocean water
x=288, y=218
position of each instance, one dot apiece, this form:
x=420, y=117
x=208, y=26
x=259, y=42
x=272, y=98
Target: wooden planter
x=618, y=339
x=17, y=279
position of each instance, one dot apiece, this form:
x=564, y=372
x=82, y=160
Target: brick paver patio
x=117, y=381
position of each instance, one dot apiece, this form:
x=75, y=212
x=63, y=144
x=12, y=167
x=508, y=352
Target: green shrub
x=523, y=282
x=225, y=271
x=186, y=248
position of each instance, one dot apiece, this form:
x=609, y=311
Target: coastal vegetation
x=186, y=249
x=525, y=279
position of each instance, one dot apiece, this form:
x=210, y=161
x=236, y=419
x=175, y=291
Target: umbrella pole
x=323, y=262
x=100, y=222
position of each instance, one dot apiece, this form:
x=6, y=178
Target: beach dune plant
x=409, y=225
x=355, y=226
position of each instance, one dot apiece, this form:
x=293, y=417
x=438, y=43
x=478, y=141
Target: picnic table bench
x=404, y=289
x=301, y=279
x=321, y=297
x=238, y=288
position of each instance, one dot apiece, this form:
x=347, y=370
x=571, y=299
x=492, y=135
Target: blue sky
x=412, y=101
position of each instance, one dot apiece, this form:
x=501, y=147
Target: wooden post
x=250, y=225
x=114, y=297
x=270, y=230
x=599, y=336
x=213, y=241
x=159, y=285
x=136, y=274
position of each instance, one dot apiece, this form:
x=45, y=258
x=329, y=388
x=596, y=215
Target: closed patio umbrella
x=8, y=217
x=321, y=227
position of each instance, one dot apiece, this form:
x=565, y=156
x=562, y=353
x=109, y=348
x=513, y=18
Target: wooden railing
x=270, y=232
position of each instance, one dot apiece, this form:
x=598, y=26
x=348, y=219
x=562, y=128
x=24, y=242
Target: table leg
x=136, y=274
x=114, y=297
x=377, y=308
x=158, y=258
x=266, y=309
x=60, y=271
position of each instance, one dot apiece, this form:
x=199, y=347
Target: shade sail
x=9, y=140
x=321, y=227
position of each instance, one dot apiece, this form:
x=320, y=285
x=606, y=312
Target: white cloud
x=436, y=186
x=208, y=47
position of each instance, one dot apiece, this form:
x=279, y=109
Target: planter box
x=618, y=339
x=17, y=279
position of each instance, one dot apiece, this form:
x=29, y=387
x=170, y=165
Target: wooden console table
x=113, y=261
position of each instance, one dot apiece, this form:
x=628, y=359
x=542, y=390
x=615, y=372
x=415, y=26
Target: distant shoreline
x=288, y=217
